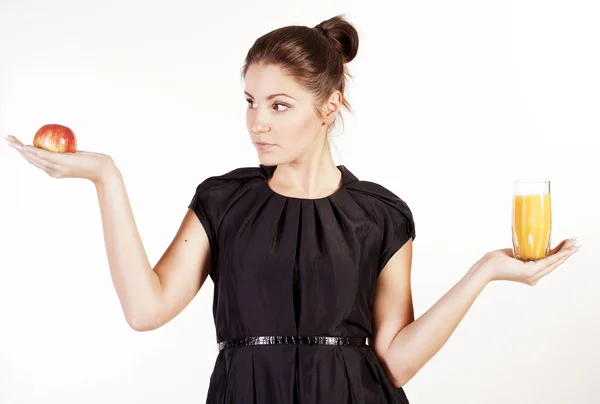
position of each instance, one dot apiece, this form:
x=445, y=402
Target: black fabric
x=298, y=267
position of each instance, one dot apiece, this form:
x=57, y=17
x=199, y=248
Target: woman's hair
x=315, y=57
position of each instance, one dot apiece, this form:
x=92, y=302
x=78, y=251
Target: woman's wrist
x=107, y=173
x=483, y=271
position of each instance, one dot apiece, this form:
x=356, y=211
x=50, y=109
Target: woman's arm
x=405, y=345
x=149, y=297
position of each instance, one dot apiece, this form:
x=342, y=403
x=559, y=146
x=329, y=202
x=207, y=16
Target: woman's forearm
x=419, y=341
x=137, y=285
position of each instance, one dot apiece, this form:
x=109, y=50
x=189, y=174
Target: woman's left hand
x=502, y=265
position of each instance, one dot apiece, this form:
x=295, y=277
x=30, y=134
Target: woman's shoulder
x=232, y=179
x=374, y=192
x=218, y=191
x=215, y=194
x=380, y=202
x=371, y=189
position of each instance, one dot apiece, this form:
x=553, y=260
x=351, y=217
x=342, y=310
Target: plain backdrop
x=453, y=100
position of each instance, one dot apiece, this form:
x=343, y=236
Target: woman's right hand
x=81, y=164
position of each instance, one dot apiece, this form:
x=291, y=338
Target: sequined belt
x=278, y=340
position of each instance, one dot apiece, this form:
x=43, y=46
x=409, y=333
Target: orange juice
x=532, y=226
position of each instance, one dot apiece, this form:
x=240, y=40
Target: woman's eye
x=281, y=105
x=276, y=105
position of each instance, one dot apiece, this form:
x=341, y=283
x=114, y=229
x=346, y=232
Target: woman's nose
x=259, y=126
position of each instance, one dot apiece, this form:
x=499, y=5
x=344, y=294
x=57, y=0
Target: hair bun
x=343, y=35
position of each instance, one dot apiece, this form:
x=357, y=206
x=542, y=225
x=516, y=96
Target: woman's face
x=281, y=114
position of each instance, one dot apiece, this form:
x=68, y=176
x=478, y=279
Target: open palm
x=81, y=164
x=506, y=267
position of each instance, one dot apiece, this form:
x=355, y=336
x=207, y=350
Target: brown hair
x=315, y=57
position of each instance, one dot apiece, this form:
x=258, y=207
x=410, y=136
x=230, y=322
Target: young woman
x=311, y=265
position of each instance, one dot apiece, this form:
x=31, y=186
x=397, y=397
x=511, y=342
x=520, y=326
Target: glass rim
x=531, y=181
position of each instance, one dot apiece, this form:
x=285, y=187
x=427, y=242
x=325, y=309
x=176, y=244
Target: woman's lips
x=263, y=146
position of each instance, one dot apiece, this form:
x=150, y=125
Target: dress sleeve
x=205, y=203
x=391, y=214
x=212, y=199
x=397, y=227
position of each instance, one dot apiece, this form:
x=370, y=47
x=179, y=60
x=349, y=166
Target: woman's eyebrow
x=271, y=96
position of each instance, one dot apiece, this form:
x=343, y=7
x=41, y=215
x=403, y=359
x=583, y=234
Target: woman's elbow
x=141, y=327
x=400, y=379
x=142, y=324
x=397, y=371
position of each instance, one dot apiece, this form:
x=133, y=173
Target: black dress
x=285, y=266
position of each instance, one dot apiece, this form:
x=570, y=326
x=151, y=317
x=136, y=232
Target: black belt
x=278, y=340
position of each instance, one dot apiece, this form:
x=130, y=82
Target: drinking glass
x=531, y=219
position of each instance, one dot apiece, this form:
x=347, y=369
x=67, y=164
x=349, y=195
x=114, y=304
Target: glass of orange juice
x=531, y=219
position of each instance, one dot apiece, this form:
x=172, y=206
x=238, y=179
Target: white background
x=453, y=100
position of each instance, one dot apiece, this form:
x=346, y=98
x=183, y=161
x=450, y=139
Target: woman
x=309, y=263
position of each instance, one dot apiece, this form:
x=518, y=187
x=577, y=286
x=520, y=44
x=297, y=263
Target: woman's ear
x=332, y=106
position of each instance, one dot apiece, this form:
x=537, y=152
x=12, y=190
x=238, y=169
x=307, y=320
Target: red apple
x=55, y=138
